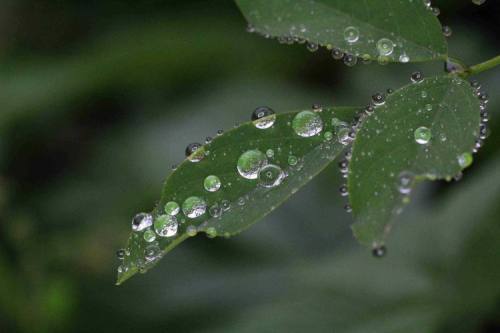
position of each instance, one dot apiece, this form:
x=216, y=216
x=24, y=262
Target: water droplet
x=348, y=208
x=120, y=254
x=263, y=117
x=250, y=162
x=328, y=136
x=417, y=77
x=250, y=28
x=215, y=210
x=172, y=208
x=350, y=60
x=405, y=182
x=166, y=225
x=423, y=135
x=151, y=253
x=271, y=176
x=226, y=205
x=149, y=236
x=212, y=183
x=343, y=191
x=404, y=58
x=478, y=2
x=292, y=160
x=447, y=31
x=195, y=152
x=378, y=99
x=379, y=251
x=312, y=47
x=307, y=124
x=142, y=221
x=270, y=153
x=194, y=207
x=385, y=46
x=465, y=160
x=351, y=35
x=337, y=54
x=436, y=11
x=191, y=231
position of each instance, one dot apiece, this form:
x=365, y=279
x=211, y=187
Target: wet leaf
x=390, y=30
x=273, y=163
x=426, y=130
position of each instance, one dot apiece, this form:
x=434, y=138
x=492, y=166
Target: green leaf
x=294, y=149
x=389, y=30
x=425, y=130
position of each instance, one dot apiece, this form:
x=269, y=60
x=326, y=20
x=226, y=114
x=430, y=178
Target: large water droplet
x=423, y=135
x=142, y=221
x=307, y=124
x=351, y=35
x=271, y=176
x=385, y=46
x=166, y=225
x=263, y=117
x=212, y=183
x=194, y=207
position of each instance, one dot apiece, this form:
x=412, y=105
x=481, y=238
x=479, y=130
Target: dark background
x=99, y=98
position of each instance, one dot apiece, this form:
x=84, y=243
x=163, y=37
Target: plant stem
x=484, y=66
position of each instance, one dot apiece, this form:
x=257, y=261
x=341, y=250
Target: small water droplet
x=149, y=236
x=270, y=153
x=348, y=208
x=307, y=124
x=378, y=99
x=337, y=54
x=292, y=160
x=385, y=46
x=478, y=2
x=271, y=176
x=423, y=135
x=405, y=182
x=351, y=34
x=417, y=77
x=343, y=191
x=194, y=207
x=312, y=47
x=447, y=32
x=250, y=162
x=212, y=183
x=120, y=254
x=215, y=210
x=191, y=231
x=166, y=225
x=195, y=152
x=263, y=117
x=404, y=58
x=211, y=232
x=226, y=205
x=379, y=251
x=465, y=160
x=141, y=221
x=328, y=136
x=350, y=60
x=172, y=208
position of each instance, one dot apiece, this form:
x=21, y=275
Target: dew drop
x=120, y=254
x=328, y=136
x=478, y=2
x=211, y=232
x=191, y=231
x=141, y=221
x=350, y=60
x=271, y=176
x=263, y=117
x=195, y=152
x=226, y=205
x=312, y=47
x=166, y=225
x=212, y=183
x=270, y=153
x=379, y=251
x=194, y=207
x=465, y=160
x=337, y=54
x=447, y=32
x=385, y=46
x=423, y=135
x=215, y=210
x=417, y=77
x=348, y=208
x=307, y=124
x=351, y=35
x=172, y=208
x=343, y=191
x=250, y=162
x=404, y=58
x=292, y=160
x=378, y=99
x=149, y=236
x=405, y=182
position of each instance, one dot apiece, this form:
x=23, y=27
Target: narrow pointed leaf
x=394, y=30
x=276, y=161
x=425, y=130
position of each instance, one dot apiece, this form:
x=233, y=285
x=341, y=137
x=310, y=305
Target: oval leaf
x=227, y=185
x=425, y=130
x=390, y=30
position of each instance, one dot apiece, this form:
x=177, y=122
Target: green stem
x=484, y=66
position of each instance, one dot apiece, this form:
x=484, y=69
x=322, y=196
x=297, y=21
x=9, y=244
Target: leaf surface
x=240, y=201
x=395, y=30
x=425, y=130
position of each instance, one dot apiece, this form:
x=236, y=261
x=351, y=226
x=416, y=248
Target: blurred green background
x=98, y=98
